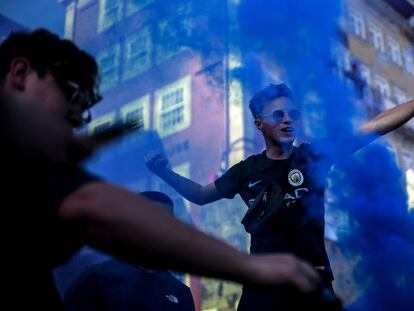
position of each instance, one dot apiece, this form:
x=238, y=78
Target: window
x=344, y=61
x=357, y=24
x=173, y=107
x=408, y=62
x=174, y=34
x=137, y=54
x=381, y=85
x=137, y=111
x=110, y=12
x=69, y=20
x=102, y=123
x=365, y=73
x=133, y=6
x=399, y=96
x=375, y=37
x=178, y=148
x=394, y=51
x=108, y=62
x=342, y=58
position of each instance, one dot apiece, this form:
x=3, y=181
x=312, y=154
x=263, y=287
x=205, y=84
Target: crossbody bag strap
x=258, y=198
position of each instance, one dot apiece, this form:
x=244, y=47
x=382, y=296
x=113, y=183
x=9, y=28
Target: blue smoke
x=368, y=186
x=381, y=229
x=297, y=40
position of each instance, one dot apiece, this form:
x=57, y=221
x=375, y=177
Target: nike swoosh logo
x=171, y=298
x=252, y=184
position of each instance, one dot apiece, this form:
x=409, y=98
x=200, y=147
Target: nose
x=286, y=118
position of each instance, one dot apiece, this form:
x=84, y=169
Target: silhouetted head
x=40, y=69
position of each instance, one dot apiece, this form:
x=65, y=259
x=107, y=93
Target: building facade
x=379, y=37
x=155, y=68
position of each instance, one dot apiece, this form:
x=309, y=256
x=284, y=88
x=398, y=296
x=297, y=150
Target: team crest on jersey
x=295, y=177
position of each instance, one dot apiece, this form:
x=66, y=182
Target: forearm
x=137, y=230
x=390, y=119
x=189, y=189
x=128, y=226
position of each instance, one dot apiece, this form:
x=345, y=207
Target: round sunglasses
x=278, y=115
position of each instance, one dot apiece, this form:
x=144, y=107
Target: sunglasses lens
x=294, y=115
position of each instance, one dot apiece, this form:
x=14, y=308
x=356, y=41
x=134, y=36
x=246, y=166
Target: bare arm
x=382, y=124
x=389, y=120
x=130, y=227
x=189, y=189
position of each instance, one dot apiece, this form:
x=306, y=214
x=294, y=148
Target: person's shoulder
x=255, y=158
x=104, y=267
x=114, y=270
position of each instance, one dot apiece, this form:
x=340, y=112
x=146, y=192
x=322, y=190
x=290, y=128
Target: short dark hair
x=161, y=198
x=47, y=52
x=261, y=98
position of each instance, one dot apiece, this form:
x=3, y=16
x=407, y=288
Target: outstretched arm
x=389, y=120
x=129, y=226
x=382, y=124
x=192, y=191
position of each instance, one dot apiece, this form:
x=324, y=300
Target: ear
x=19, y=70
x=259, y=124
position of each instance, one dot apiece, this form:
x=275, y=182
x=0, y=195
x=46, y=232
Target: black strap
x=258, y=199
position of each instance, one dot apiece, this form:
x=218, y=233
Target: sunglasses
x=80, y=99
x=278, y=115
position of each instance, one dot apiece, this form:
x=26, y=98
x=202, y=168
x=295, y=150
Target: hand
x=156, y=162
x=283, y=269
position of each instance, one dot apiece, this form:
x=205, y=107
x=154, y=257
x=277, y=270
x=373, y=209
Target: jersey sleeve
x=230, y=183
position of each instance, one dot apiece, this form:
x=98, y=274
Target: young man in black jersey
x=289, y=181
